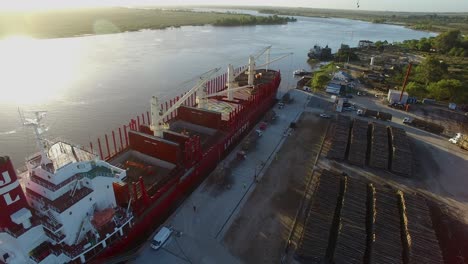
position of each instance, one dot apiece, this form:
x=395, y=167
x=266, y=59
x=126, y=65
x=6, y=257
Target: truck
x=460, y=140
x=425, y=125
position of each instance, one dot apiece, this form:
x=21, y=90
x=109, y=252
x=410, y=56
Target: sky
x=381, y=5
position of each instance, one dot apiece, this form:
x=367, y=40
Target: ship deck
x=153, y=171
x=211, y=209
x=208, y=136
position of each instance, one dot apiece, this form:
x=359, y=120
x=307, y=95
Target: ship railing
x=94, y=175
x=75, y=255
x=57, y=237
x=52, y=186
x=41, y=201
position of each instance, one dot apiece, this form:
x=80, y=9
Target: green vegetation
x=451, y=43
x=345, y=53
x=438, y=79
x=322, y=76
x=75, y=22
x=443, y=74
x=253, y=20
x=439, y=22
x=320, y=80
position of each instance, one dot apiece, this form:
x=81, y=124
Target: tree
x=447, y=89
x=416, y=89
x=425, y=44
x=345, y=53
x=447, y=40
x=320, y=80
x=431, y=70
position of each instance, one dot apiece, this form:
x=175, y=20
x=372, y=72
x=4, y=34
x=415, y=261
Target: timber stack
x=419, y=239
x=386, y=247
x=351, y=240
x=340, y=138
x=379, y=147
x=358, y=143
x=401, y=155
x=315, y=237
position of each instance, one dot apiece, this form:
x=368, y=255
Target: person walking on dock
x=194, y=208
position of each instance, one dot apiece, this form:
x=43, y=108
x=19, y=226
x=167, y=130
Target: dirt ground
x=259, y=233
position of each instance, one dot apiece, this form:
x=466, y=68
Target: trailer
x=423, y=124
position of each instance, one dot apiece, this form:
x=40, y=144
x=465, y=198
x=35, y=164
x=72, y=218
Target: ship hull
x=167, y=198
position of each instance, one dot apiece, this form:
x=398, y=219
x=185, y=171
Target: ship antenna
x=38, y=129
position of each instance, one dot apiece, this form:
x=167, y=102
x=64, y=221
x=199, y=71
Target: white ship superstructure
x=62, y=207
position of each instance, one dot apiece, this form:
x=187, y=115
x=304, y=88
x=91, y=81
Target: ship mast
x=38, y=129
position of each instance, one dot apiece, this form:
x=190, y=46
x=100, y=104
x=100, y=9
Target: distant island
x=96, y=21
x=254, y=20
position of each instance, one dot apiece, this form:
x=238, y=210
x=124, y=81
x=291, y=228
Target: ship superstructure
x=66, y=206
x=76, y=205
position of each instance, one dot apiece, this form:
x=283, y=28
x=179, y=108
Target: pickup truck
x=460, y=140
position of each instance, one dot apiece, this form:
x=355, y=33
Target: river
x=92, y=84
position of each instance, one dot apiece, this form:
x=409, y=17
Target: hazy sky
x=389, y=5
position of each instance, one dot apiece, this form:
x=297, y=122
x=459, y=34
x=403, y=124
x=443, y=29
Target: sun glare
x=31, y=5
x=34, y=71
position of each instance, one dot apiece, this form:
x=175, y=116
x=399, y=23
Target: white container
x=394, y=96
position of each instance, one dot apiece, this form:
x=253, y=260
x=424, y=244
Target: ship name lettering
x=7, y=187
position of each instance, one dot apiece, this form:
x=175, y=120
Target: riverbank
x=96, y=21
x=439, y=22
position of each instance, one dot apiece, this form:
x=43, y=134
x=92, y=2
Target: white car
x=160, y=238
x=323, y=115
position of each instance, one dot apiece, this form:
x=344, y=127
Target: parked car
x=349, y=96
x=323, y=115
x=160, y=238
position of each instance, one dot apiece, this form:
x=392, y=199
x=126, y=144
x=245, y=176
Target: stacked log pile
x=370, y=113
x=358, y=143
x=419, y=238
x=314, y=242
x=340, y=138
x=402, y=158
x=387, y=246
x=428, y=126
x=379, y=147
x=384, y=116
x=351, y=241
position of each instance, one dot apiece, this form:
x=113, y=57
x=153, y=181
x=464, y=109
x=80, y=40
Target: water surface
x=91, y=85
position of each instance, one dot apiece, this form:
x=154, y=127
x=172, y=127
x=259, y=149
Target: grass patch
x=75, y=22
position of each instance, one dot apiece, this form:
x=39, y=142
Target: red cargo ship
x=75, y=205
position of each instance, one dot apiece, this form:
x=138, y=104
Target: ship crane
x=158, y=114
x=231, y=77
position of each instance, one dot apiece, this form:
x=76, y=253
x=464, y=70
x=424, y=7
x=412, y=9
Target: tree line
x=451, y=43
x=248, y=20
x=431, y=79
